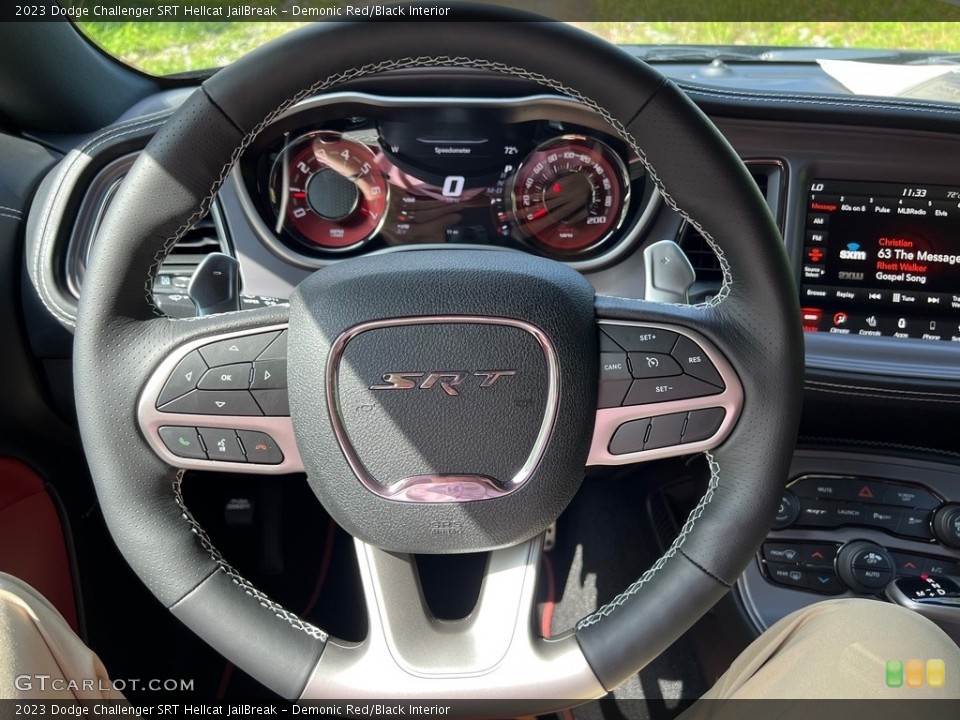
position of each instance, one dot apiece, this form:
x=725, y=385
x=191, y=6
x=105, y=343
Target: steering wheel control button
x=227, y=377
x=182, y=442
x=236, y=350
x=214, y=402
x=634, y=338
x=612, y=392
x=222, y=445
x=269, y=374
x=260, y=448
x=629, y=437
x=277, y=350
x=665, y=431
x=694, y=361
x=273, y=402
x=788, y=511
x=702, y=424
x=613, y=367
x=657, y=390
x=183, y=379
x=653, y=365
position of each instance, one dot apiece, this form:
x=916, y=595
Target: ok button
x=227, y=377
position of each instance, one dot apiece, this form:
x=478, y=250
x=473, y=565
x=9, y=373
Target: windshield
x=868, y=58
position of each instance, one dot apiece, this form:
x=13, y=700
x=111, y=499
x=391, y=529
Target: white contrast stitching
x=292, y=619
x=12, y=210
x=824, y=100
x=46, y=235
x=817, y=386
x=11, y=217
x=674, y=548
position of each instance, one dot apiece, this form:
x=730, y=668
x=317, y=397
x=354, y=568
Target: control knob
x=865, y=566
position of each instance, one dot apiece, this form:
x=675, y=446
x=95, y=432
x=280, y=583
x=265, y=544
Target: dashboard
x=867, y=199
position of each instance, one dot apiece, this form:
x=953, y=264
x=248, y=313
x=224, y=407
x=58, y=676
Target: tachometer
x=327, y=191
x=571, y=194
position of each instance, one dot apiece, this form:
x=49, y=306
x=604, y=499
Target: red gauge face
x=570, y=194
x=328, y=191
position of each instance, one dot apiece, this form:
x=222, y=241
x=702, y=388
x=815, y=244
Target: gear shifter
x=935, y=596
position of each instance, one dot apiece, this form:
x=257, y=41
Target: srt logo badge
x=449, y=382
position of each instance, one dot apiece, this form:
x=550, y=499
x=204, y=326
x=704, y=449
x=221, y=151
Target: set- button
x=246, y=376
x=642, y=365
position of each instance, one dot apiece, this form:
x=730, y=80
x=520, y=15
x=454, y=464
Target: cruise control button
x=182, y=442
x=239, y=349
x=613, y=366
x=214, y=402
x=702, y=424
x=653, y=365
x=261, y=449
x=273, y=402
x=665, y=431
x=607, y=344
x=694, y=361
x=641, y=339
x=269, y=374
x=227, y=377
x=915, y=523
x=909, y=497
x=183, y=379
x=629, y=437
x=611, y=393
x=788, y=575
x=222, y=445
x=277, y=350
x=679, y=387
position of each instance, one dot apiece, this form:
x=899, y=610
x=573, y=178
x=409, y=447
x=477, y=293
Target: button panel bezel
x=609, y=419
x=151, y=419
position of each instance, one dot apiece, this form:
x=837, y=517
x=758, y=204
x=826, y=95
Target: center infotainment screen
x=882, y=259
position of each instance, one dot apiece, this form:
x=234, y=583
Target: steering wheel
x=440, y=400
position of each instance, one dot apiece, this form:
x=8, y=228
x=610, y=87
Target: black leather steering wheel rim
x=754, y=321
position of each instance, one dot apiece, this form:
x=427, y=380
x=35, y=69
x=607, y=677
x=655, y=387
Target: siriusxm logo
x=853, y=252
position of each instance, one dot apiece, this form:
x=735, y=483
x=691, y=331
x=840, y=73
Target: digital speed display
x=882, y=259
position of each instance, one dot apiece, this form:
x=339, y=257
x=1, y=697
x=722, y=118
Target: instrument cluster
x=339, y=176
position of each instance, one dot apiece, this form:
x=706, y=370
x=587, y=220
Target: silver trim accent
x=531, y=107
x=397, y=490
x=609, y=419
x=151, y=419
x=492, y=654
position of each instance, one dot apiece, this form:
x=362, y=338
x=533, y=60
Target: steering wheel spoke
x=664, y=388
x=493, y=653
x=219, y=401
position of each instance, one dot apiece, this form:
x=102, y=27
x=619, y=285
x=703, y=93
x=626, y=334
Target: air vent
x=770, y=177
x=200, y=240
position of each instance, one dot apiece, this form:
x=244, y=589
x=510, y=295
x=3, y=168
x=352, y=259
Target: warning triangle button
x=865, y=493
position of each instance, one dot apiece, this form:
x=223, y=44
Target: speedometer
x=570, y=194
x=327, y=190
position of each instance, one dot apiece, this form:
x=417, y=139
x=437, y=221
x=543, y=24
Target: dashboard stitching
x=46, y=235
x=820, y=386
x=423, y=61
x=674, y=548
x=822, y=100
x=281, y=612
x=874, y=444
